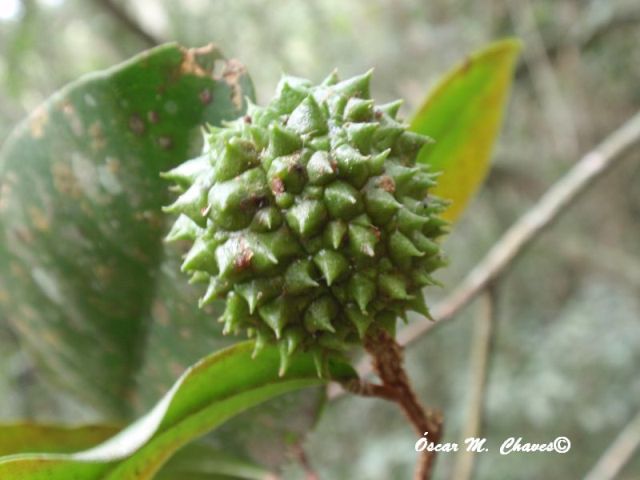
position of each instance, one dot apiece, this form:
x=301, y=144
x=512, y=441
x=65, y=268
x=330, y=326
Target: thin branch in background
x=560, y=121
x=618, y=454
x=618, y=19
x=130, y=23
x=585, y=34
x=481, y=351
x=524, y=232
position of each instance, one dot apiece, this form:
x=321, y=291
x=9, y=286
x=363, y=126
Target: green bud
x=217, y=288
x=262, y=339
x=184, y=229
x=360, y=320
x=386, y=136
x=409, y=144
x=258, y=291
x=294, y=337
x=289, y=97
x=311, y=218
x=275, y=314
x=308, y=118
x=361, y=134
x=289, y=171
x=381, y=205
x=237, y=156
x=192, y=203
x=332, y=265
x=233, y=203
x=282, y=141
x=320, y=169
x=363, y=240
x=362, y=289
x=391, y=109
x=352, y=165
x=335, y=233
x=394, y=287
x=357, y=86
x=235, y=312
x=201, y=257
x=266, y=220
x=185, y=174
x=307, y=217
x=402, y=250
x=358, y=110
x=342, y=200
x=299, y=277
x=319, y=315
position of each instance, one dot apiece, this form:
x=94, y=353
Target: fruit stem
x=388, y=363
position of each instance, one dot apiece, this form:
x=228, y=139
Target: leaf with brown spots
x=80, y=213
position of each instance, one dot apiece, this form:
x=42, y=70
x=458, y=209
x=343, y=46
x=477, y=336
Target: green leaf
x=80, y=218
x=200, y=461
x=463, y=114
x=28, y=437
x=210, y=392
x=195, y=461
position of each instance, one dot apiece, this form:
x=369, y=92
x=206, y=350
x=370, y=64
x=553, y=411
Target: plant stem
x=388, y=363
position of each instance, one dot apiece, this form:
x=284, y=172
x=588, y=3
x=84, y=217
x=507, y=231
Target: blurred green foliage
x=568, y=341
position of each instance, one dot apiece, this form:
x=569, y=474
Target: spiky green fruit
x=311, y=218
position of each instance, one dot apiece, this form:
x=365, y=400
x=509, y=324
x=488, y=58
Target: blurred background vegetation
x=567, y=352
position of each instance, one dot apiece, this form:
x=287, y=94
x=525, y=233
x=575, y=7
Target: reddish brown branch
x=388, y=364
x=368, y=389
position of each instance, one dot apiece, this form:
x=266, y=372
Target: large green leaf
x=201, y=462
x=80, y=218
x=215, y=389
x=463, y=114
x=28, y=437
x=195, y=461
